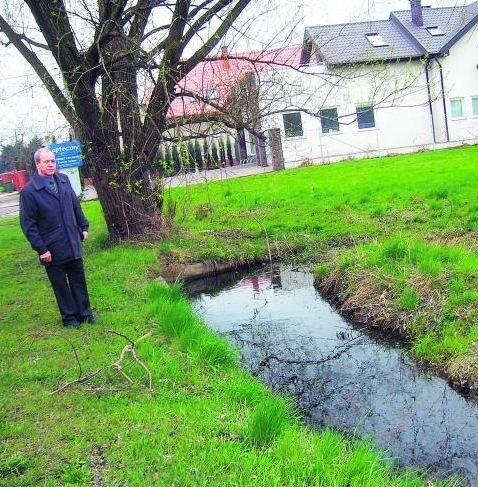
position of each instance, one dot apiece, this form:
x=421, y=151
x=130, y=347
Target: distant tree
x=183, y=156
x=222, y=152
x=19, y=156
x=168, y=162
x=214, y=155
x=198, y=155
x=230, y=158
x=207, y=155
x=157, y=165
x=176, y=159
x=192, y=156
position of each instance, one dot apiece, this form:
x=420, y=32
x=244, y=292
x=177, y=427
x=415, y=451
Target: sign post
x=68, y=159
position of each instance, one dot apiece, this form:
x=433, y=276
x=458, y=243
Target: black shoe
x=71, y=324
x=88, y=319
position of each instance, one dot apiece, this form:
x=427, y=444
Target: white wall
x=461, y=81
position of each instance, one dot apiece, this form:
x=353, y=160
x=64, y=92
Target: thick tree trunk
x=131, y=204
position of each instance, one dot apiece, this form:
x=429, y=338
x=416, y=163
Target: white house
x=379, y=87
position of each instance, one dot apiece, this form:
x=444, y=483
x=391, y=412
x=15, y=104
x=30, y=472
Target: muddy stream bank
x=341, y=376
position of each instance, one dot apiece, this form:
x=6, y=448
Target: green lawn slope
x=206, y=421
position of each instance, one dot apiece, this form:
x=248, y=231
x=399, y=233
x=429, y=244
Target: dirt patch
x=98, y=465
x=363, y=302
x=173, y=272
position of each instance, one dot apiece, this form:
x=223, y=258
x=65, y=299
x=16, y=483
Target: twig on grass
x=264, y=229
x=117, y=365
x=81, y=380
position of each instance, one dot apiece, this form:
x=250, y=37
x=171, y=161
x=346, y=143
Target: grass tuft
x=76, y=473
x=14, y=465
x=268, y=420
x=177, y=320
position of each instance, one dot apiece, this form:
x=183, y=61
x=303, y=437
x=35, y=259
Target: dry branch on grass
x=117, y=365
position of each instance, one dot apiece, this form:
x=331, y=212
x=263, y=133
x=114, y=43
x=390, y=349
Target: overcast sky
x=28, y=110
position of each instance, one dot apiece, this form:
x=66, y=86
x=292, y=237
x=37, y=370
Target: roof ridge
x=347, y=23
x=456, y=7
x=411, y=38
x=244, y=54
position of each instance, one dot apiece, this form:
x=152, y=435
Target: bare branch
x=117, y=365
x=50, y=84
x=210, y=44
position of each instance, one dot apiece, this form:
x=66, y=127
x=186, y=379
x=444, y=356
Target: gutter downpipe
x=430, y=106
x=443, y=98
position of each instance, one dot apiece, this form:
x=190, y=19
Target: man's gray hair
x=36, y=156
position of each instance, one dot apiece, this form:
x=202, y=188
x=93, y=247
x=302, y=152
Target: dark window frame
x=364, y=122
x=329, y=124
x=292, y=128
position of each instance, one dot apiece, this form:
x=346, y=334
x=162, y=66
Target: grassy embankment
x=206, y=422
x=394, y=239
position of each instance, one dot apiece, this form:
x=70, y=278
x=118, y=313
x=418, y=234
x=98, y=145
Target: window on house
x=456, y=107
x=329, y=120
x=474, y=105
x=310, y=53
x=365, y=117
x=376, y=40
x=306, y=53
x=293, y=124
x=435, y=31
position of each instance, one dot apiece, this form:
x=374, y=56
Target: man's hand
x=85, y=235
x=46, y=257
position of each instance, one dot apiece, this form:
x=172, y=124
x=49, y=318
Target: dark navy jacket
x=50, y=221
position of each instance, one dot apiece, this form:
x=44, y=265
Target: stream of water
x=296, y=343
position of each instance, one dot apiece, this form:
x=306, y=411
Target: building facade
x=376, y=88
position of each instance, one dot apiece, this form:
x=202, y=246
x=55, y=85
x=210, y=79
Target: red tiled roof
x=216, y=76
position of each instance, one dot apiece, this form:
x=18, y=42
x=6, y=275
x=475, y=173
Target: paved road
x=8, y=204
x=9, y=201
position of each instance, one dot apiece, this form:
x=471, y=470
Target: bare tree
x=104, y=51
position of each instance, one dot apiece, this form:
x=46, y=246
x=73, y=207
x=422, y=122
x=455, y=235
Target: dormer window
x=306, y=53
x=310, y=54
x=435, y=31
x=376, y=40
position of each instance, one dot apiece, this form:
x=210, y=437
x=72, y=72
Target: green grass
x=409, y=222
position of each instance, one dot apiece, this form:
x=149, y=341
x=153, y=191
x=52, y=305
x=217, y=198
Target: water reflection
x=291, y=338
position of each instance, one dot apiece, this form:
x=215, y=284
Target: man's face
x=47, y=164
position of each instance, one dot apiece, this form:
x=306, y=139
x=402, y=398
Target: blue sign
x=67, y=154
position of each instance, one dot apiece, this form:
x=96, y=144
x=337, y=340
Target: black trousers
x=69, y=285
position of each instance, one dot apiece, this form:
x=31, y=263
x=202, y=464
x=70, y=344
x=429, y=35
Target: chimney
x=225, y=57
x=417, y=16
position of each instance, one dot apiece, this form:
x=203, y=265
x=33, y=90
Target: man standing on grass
x=53, y=222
